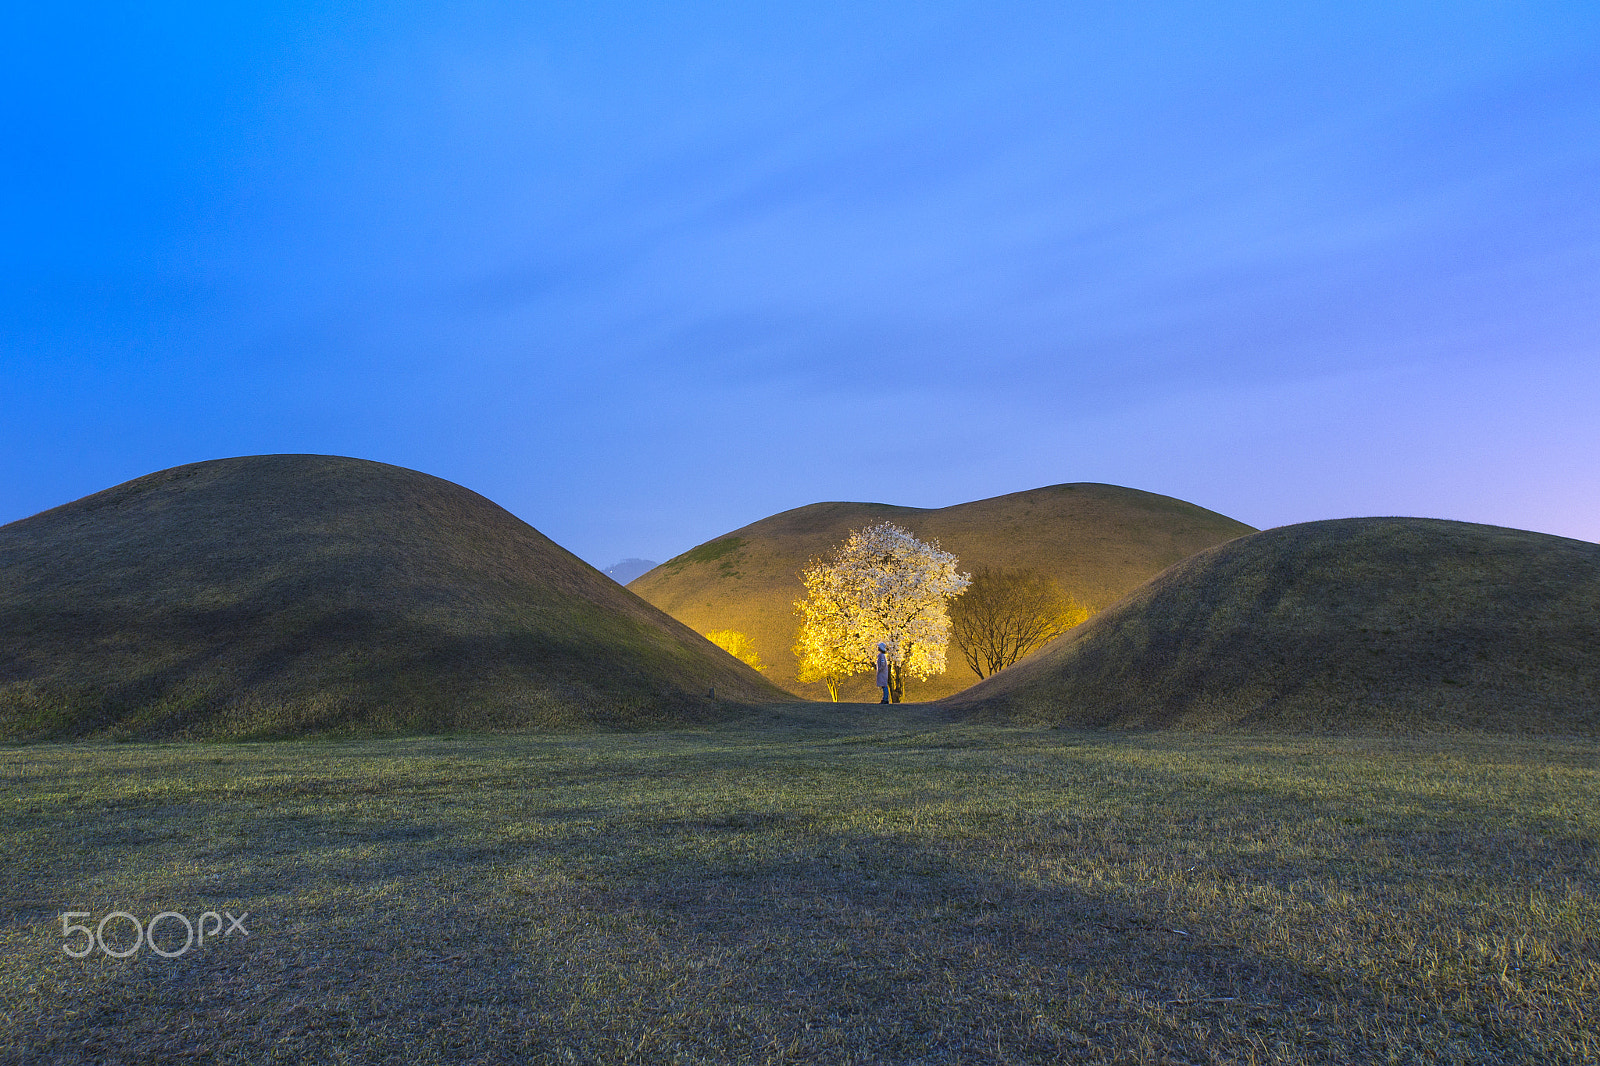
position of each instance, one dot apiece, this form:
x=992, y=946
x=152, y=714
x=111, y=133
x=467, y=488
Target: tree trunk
x=897, y=683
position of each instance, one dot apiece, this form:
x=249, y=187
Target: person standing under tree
x=883, y=671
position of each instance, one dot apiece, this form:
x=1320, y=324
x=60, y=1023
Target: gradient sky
x=643, y=273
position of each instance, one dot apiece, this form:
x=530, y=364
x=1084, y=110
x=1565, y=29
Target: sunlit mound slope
x=286, y=594
x=1368, y=624
x=1099, y=541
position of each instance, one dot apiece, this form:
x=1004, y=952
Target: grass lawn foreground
x=790, y=890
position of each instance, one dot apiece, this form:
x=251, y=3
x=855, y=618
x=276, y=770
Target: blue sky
x=643, y=273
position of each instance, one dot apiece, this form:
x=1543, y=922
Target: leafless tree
x=1005, y=614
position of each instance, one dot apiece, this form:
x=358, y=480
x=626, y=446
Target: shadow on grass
x=569, y=932
x=839, y=947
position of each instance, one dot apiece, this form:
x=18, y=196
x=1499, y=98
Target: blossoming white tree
x=882, y=584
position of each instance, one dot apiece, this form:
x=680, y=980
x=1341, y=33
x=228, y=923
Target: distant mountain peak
x=628, y=569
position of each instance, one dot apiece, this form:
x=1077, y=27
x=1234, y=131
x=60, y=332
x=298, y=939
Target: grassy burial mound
x=1098, y=541
x=285, y=594
x=1389, y=625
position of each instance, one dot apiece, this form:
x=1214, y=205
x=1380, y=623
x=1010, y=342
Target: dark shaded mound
x=1099, y=541
x=285, y=594
x=1392, y=625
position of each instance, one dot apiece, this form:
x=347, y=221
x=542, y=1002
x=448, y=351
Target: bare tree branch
x=1005, y=614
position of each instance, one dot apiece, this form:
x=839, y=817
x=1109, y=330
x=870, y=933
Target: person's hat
x=882, y=646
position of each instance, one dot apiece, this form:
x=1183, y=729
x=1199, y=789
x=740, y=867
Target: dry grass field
x=1098, y=541
x=811, y=884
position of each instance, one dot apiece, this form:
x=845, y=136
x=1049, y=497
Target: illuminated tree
x=810, y=670
x=1008, y=613
x=822, y=644
x=738, y=645
x=881, y=585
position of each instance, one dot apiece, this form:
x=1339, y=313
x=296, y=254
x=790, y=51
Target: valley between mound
x=292, y=594
x=1099, y=541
